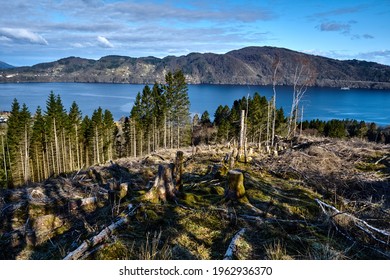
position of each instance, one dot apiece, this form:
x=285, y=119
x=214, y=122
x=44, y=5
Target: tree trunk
x=241, y=146
x=134, y=141
x=77, y=148
x=165, y=131
x=179, y=170
x=178, y=132
x=235, y=185
x=232, y=249
x=97, y=145
x=4, y=158
x=56, y=146
x=163, y=188
x=102, y=236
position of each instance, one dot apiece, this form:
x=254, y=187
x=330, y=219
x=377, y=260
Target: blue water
x=321, y=103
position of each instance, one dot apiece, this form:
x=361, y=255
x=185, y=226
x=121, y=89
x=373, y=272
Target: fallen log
x=359, y=223
x=232, y=248
x=102, y=236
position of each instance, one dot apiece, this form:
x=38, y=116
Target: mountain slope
x=4, y=65
x=251, y=65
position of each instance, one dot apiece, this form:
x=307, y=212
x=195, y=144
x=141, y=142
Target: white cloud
x=22, y=35
x=104, y=42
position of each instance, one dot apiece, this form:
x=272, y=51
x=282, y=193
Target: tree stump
x=235, y=185
x=229, y=160
x=163, y=188
x=117, y=191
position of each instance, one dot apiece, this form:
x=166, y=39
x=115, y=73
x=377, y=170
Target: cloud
x=334, y=26
x=343, y=28
x=21, y=35
x=368, y=36
x=341, y=11
x=104, y=42
x=375, y=55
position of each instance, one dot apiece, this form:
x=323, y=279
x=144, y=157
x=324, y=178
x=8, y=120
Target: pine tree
x=159, y=111
x=135, y=115
x=146, y=114
x=38, y=146
x=18, y=139
x=87, y=139
x=108, y=134
x=176, y=93
x=74, y=123
x=13, y=140
x=97, y=126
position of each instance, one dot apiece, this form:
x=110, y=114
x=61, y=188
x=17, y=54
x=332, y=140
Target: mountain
x=251, y=65
x=4, y=65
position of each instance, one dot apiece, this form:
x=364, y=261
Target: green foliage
x=205, y=118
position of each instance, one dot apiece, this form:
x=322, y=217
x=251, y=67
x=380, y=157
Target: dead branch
x=383, y=158
x=103, y=235
x=359, y=223
x=232, y=248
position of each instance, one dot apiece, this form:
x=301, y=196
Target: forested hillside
x=251, y=65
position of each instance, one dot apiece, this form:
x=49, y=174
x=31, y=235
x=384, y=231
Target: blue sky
x=40, y=31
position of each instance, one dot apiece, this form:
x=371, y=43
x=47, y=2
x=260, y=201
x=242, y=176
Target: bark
x=379, y=235
x=232, y=249
x=179, y=170
x=235, y=185
x=101, y=237
x=163, y=188
x=242, y=136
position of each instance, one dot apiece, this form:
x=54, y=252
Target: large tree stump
x=235, y=185
x=163, y=188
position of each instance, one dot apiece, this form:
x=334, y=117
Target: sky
x=38, y=31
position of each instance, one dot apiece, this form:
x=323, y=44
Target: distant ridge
x=250, y=65
x=4, y=65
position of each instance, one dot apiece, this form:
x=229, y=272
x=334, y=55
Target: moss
x=217, y=190
x=192, y=199
x=151, y=215
x=368, y=166
x=115, y=251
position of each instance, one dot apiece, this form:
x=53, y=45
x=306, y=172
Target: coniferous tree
x=108, y=134
x=38, y=146
x=18, y=139
x=87, y=138
x=136, y=115
x=97, y=125
x=176, y=92
x=74, y=123
x=13, y=140
x=159, y=111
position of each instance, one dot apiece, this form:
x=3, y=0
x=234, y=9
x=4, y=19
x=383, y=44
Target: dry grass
x=276, y=251
x=153, y=250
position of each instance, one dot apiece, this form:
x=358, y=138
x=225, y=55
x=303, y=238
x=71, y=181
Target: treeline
x=347, y=129
x=262, y=121
x=54, y=140
x=260, y=130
